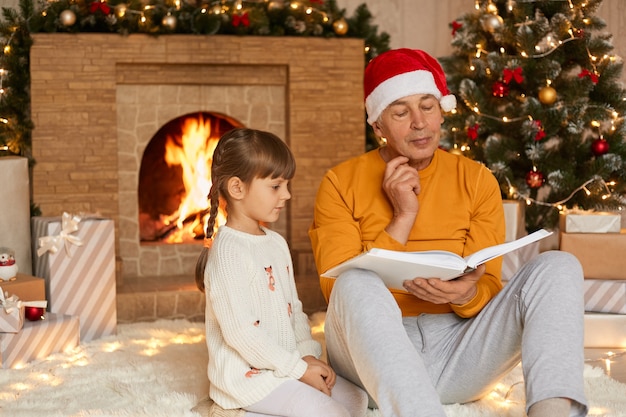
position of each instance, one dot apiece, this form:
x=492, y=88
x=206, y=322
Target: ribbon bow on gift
x=69, y=224
x=9, y=304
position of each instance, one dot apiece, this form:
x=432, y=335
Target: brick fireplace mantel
x=76, y=81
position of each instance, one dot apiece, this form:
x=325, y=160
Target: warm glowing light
x=20, y=386
x=185, y=339
x=111, y=347
x=193, y=152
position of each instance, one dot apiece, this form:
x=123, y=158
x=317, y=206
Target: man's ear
x=377, y=128
x=236, y=188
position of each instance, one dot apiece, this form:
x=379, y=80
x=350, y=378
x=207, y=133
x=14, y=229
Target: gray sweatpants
x=412, y=365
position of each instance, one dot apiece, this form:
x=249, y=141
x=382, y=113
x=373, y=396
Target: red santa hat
x=400, y=73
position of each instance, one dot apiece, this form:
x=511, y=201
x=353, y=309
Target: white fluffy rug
x=159, y=370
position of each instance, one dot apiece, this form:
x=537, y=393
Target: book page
x=487, y=254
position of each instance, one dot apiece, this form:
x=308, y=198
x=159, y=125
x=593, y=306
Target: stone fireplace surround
x=97, y=99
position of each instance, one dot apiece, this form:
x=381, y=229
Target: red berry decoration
x=599, y=146
x=534, y=179
x=500, y=89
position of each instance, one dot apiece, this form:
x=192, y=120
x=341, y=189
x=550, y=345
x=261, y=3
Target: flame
x=193, y=152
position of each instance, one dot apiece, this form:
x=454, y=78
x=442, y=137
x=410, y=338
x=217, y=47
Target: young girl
x=262, y=357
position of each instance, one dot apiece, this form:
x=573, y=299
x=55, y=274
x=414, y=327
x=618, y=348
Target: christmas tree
x=540, y=104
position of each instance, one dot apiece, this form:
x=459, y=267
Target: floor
x=612, y=361
x=148, y=299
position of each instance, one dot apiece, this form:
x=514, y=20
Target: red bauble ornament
x=599, y=146
x=34, y=313
x=534, y=179
x=500, y=89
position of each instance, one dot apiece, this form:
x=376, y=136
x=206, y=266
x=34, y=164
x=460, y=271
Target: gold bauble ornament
x=120, y=10
x=276, y=5
x=67, y=17
x=340, y=26
x=491, y=22
x=547, y=95
x=216, y=9
x=169, y=22
x=455, y=151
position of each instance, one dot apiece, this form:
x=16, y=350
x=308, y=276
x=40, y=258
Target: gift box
x=590, y=222
x=605, y=330
x=15, y=209
x=11, y=314
x=602, y=255
x=25, y=287
x=39, y=339
x=513, y=261
x=514, y=219
x=76, y=258
x=605, y=296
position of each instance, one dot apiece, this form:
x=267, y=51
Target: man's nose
x=417, y=120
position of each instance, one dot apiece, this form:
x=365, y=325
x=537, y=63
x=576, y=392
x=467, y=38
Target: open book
x=395, y=267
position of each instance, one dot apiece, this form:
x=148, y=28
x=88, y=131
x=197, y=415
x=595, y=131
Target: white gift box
x=76, y=258
x=590, y=222
x=514, y=219
x=11, y=314
x=605, y=296
x=605, y=330
x=15, y=210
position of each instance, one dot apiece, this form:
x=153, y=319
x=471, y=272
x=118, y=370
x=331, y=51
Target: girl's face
x=264, y=199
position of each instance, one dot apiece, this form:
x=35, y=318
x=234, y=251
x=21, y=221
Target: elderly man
x=437, y=342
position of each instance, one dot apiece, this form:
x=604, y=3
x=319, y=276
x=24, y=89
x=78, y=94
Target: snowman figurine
x=8, y=267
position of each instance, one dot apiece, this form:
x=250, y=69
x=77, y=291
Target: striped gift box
x=12, y=321
x=39, y=339
x=605, y=296
x=79, y=272
x=513, y=261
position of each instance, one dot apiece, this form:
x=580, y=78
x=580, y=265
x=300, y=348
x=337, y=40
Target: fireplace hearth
x=97, y=100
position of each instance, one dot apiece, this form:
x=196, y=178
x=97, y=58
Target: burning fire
x=193, y=151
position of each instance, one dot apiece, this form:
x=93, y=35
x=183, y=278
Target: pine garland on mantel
x=319, y=18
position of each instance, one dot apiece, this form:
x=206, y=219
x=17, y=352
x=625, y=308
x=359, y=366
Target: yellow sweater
x=460, y=210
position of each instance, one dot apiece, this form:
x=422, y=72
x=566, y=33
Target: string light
x=514, y=192
x=607, y=359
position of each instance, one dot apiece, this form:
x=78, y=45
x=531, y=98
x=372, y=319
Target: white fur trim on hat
x=403, y=85
x=448, y=103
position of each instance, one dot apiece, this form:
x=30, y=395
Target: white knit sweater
x=256, y=331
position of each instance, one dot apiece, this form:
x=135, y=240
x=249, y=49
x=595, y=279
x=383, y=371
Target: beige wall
x=423, y=24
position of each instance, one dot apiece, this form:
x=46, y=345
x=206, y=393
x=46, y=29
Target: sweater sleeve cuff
x=299, y=369
x=473, y=306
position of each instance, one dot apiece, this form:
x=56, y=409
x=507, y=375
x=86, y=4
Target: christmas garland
x=320, y=18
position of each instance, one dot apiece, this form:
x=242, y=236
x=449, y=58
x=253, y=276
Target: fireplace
x=97, y=101
x=175, y=178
